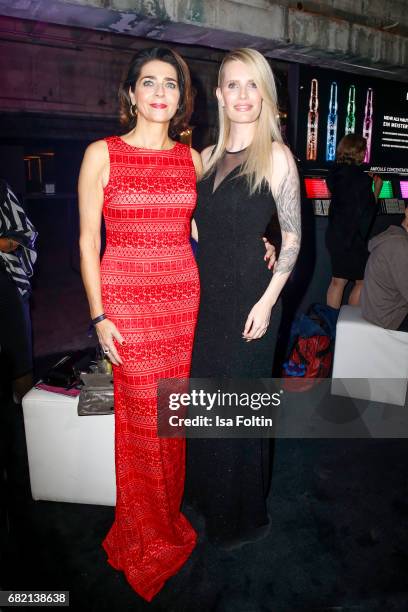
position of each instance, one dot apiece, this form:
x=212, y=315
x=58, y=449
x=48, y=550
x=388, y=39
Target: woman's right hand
x=107, y=334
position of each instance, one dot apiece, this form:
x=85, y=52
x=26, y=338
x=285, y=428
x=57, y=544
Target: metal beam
x=329, y=38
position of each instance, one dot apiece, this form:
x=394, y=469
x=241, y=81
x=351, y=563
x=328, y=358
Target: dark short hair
x=180, y=120
x=350, y=149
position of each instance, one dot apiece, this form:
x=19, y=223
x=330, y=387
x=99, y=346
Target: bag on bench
x=96, y=395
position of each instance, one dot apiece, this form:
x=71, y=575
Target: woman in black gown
x=351, y=215
x=250, y=176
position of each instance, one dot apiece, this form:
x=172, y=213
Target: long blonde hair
x=258, y=166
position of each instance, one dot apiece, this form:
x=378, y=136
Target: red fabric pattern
x=150, y=290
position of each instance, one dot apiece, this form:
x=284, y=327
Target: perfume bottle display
x=332, y=124
x=351, y=111
x=312, y=121
x=368, y=123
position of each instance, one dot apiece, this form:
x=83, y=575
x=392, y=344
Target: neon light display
x=368, y=123
x=332, y=124
x=404, y=189
x=386, y=190
x=312, y=121
x=351, y=111
x=317, y=188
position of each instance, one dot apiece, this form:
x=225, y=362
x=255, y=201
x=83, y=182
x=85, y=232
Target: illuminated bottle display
x=312, y=121
x=332, y=124
x=368, y=123
x=351, y=111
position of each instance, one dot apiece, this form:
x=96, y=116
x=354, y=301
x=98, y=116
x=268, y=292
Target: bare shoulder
x=281, y=155
x=198, y=165
x=206, y=154
x=95, y=164
x=96, y=158
x=285, y=175
x=97, y=151
x=283, y=164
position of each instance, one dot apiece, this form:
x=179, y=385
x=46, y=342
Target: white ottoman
x=376, y=358
x=71, y=457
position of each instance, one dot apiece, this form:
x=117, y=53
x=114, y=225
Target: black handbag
x=65, y=373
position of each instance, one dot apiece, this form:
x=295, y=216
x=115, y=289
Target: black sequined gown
x=228, y=479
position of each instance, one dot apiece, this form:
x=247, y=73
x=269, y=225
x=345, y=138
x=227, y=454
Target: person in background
x=384, y=297
x=17, y=256
x=351, y=215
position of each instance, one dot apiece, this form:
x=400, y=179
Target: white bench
x=70, y=457
x=370, y=362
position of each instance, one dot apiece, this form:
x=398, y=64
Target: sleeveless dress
x=228, y=479
x=150, y=290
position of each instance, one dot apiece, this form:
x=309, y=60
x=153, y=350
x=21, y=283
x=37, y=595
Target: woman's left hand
x=257, y=321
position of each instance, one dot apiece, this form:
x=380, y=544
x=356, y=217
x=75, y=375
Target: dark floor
x=339, y=508
x=339, y=538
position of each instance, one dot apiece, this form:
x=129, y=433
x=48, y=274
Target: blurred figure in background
x=351, y=215
x=384, y=297
x=17, y=256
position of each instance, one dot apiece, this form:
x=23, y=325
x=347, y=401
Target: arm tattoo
x=288, y=204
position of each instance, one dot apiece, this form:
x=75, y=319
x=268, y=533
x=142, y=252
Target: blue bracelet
x=96, y=320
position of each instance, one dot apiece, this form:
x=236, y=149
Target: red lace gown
x=150, y=290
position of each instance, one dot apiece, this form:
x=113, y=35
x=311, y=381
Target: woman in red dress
x=143, y=300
